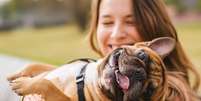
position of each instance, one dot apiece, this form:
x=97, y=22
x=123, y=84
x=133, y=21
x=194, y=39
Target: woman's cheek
x=102, y=38
x=134, y=34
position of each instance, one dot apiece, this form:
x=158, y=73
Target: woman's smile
x=114, y=46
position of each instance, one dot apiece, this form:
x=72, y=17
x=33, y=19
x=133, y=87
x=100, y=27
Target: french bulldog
x=129, y=73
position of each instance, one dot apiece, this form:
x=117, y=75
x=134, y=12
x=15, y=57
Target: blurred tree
x=82, y=8
x=185, y=5
x=8, y=10
x=198, y=6
x=46, y=12
x=178, y=4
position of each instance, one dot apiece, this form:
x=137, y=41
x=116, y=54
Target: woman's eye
x=107, y=23
x=130, y=22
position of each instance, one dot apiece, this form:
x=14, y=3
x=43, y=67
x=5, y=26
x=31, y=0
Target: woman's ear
x=162, y=45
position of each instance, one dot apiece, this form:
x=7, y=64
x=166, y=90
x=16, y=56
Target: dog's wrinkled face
x=130, y=65
x=130, y=71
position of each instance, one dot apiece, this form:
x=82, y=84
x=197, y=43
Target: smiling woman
x=116, y=26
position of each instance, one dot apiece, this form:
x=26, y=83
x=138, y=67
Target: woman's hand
x=33, y=97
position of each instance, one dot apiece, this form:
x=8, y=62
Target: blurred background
x=54, y=31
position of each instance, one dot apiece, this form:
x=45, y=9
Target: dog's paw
x=28, y=71
x=22, y=85
x=33, y=97
x=31, y=70
x=14, y=76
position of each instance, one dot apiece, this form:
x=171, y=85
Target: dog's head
x=134, y=72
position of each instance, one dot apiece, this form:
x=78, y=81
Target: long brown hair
x=152, y=21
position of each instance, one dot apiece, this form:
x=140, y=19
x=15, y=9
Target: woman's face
x=116, y=25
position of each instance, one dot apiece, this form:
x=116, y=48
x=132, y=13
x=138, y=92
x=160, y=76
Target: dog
x=130, y=73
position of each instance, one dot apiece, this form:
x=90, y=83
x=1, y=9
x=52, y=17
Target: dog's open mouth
x=121, y=79
x=128, y=68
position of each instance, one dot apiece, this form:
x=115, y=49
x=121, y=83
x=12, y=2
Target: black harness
x=80, y=79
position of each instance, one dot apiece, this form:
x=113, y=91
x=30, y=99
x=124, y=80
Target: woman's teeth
x=118, y=46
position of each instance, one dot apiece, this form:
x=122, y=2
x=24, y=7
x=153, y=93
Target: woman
x=116, y=23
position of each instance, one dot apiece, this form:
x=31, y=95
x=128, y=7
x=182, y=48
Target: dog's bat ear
x=162, y=45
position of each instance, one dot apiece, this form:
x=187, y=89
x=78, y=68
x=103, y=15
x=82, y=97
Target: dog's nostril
x=117, y=54
x=115, y=57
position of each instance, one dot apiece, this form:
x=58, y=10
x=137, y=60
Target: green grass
x=55, y=45
x=190, y=36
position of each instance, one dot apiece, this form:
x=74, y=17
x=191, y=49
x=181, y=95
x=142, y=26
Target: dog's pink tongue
x=122, y=80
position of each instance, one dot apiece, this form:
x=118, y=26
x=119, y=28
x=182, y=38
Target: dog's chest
x=64, y=78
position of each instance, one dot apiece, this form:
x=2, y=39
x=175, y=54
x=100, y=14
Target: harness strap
x=80, y=80
x=80, y=83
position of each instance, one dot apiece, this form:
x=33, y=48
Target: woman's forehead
x=115, y=7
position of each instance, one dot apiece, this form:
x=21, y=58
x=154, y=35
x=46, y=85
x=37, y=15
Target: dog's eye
x=141, y=54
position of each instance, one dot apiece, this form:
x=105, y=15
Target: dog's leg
x=27, y=85
x=31, y=70
x=38, y=85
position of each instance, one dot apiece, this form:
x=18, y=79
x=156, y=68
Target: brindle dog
x=137, y=73
x=130, y=73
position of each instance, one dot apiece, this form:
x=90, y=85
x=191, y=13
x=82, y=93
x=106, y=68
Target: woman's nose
x=118, y=32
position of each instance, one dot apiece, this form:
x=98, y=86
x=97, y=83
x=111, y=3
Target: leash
x=80, y=80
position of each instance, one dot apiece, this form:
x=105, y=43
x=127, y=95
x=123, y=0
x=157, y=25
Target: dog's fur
x=131, y=73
